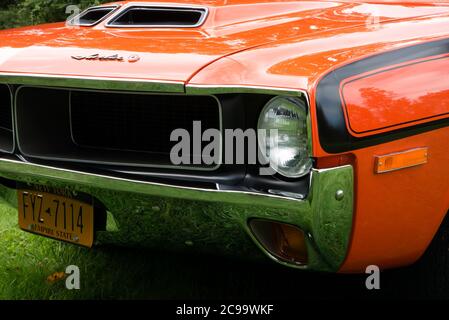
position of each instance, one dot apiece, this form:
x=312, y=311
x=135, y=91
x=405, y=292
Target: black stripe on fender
x=333, y=133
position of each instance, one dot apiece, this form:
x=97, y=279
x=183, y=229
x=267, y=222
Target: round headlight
x=285, y=142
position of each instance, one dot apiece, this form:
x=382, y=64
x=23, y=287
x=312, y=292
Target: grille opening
x=127, y=121
x=6, y=131
x=92, y=16
x=160, y=17
x=125, y=129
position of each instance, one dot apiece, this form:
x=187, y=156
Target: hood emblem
x=99, y=57
x=133, y=58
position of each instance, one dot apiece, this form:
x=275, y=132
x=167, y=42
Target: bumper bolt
x=339, y=195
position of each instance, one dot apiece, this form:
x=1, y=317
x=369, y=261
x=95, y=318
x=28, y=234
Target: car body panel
x=398, y=213
x=301, y=62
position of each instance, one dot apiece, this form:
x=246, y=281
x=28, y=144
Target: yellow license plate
x=56, y=216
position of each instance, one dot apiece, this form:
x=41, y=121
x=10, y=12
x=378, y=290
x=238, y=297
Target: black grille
x=5, y=108
x=137, y=122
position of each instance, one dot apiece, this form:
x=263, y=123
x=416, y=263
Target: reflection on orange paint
x=398, y=97
x=301, y=36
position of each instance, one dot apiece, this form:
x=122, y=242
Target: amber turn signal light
x=401, y=160
x=335, y=161
x=285, y=242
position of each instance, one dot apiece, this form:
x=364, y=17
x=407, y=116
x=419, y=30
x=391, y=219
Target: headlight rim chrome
x=300, y=103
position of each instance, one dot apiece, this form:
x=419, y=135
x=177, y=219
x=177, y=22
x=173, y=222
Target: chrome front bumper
x=172, y=217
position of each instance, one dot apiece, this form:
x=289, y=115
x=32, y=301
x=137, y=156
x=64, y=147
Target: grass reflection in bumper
x=178, y=218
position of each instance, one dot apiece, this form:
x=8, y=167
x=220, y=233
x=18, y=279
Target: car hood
x=174, y=54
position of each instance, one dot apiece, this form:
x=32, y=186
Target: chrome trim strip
x=173, y=167
x=222, y=89
x=309, y=129
x=204, y=13
x=101, y=83
x=11, y=97
x=122, y=184
x=113, y=7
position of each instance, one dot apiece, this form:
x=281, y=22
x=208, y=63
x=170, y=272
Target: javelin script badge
x=99, y=57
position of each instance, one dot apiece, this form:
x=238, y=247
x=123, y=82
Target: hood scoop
x=92, y=16
x=157, y=16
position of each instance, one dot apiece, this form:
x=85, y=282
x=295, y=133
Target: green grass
x=111, y=272
x=27, y=260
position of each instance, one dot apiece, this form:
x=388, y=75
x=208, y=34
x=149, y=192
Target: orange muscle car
x=314, y=133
